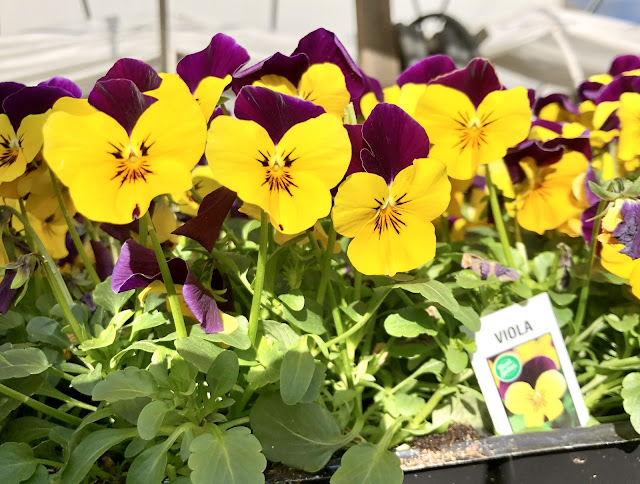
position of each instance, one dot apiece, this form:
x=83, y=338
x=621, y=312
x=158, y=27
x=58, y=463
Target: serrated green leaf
x=136, y=446
x=104, y=296
x=296, y=372
x=198, y=351
x=308, y=319
x=303, y=436
x=150, y=419
x=19, y=363
x=89, y=450
x=562, y=299
x=233, y=457
x=125, y=385
x=17, y=462
x=542, y=264
x=223, y=374
x=367, y=463
x=48, y=331
x=631, y=398
x=280, y=332
x=470, y=280
x=40, y=476
x=409, y=323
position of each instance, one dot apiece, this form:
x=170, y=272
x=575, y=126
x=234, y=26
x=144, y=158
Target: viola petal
x=624, y=63
x=140, y=73
x=357, y=145
x=427, y=69
x=205, y=227
x=7, y=295
x=104, y=262
x=120, y=99
x=395, y=139
x=72, y=89
x=476, y=80
x=273, y=111
x=617, y=87
x=7, y=89
x=30, y=100
x=288, y=67
x=354, y=202
x=202, y=305
x=628, y=230
x=324, y=85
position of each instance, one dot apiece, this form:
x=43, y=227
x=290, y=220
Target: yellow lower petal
x=324, y=85
x=518, y=398
x=208, y=93
x=551, y=384
x=355, y=203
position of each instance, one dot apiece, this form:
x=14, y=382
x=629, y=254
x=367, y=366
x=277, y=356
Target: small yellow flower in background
x=203, y=183
x=539, y=403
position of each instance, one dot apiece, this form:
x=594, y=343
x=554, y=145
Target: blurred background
x=549, y=45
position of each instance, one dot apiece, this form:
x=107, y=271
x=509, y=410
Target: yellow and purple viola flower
x=126, y=147
x=471, y=120
x=23, y=111
x=282, y=154
x=208, y=73
x=319, y=70
x=387, y=203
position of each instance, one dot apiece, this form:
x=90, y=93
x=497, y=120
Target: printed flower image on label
x=508, y=367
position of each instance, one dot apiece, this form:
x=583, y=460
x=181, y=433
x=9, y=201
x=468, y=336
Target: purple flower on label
x=627, y=231
x=531, y=370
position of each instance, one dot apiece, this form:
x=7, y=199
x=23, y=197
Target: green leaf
x=104, y=296
x=624, y=324
x=48, y=331
x=238, y=338
x=40, y=476
x=470, y=280
x=149, y=467
x=542, y=264
x=22, y=362
x=26, y=429
x=108, y=335
x=316, y=383
x=367, y=463
x=17, y=463
x=86, y=382
x=563, y=315
x=150, y=419
x=147, y=321
x=233, y=457
x=87, y=453
x=409, y=323
x=223, y=374
x=456, y=359
x=125, y=385
x=280, y=332
x=197, y=351
x=308, y=319
x=561, y=298
x=296, y=373
x=12, y=319
x=631, y=398
x=294, y=300
x=303, y=436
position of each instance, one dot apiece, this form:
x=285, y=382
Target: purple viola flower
x=140, y=73
x=104, y=262
x=426, y=70
x=202, y=305
x=562, y=100
x=543, y=155
x=618, y=86
x=624, y=63
x=7, y=295
x=627, y=231
x=72, y=89
x=476, y=80
x=371, y=85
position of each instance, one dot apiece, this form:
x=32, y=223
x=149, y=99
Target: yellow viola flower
x=129, y=150
x=539, y=403
x=203, y=183
x=388, y=209
x=283, y=155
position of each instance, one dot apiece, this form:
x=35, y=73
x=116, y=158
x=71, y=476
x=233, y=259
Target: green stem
x=433, y=401
x=91, y=230
x=497, y=218
x=233, y=423
x=584, y=290
x=91, y=271
x=357, y=284
x=258, y=283
x=59, y=373
x=143, y=229
x=178, y=319
x=385, y=440
x=444, y=228
x=326, y=265
x=40, y=407
x=196, y=196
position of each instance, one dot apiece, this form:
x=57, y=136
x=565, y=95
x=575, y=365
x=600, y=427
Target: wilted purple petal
x=587, y=222
x=395, y=139
x=275, y=112
x=140, y=73
x=71, y=249
x=617, y=87
x=120, y=99
x=121, y=232
x=222, y=57
x=531, y=370
x=68, y=85
x=476, y=80
x=138, y=267
x=7, y=295
x=104, y=262
x=30, y=100
x=590, y=176
x=427, y=69
x=7, y=89
x=87, y=299
x=580, y=143
x=205, y=227
x=624, y=63
x=561, y=99
x=322, y=46
x=290, y=67
x=202, y=305
x=627, y=230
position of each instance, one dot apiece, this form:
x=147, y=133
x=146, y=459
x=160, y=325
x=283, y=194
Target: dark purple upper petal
x=289, y=67
x=121, y=232
x=619, y=85
x=138, y=267
x=476, y=80
x=624, y=63
x=140, y=73
x=202, y=305
x=530, y=148
x=627, y=231
x=275, y=112
x=531, y=370
x=7, y=89
x=357, y=145
x=587, y=222
x=580, y=143
x=589, y=90
x=427, y=69
x=68, y=85
x=222, y=57
x=30, y=100
x=322, y=46
x=370, y=85
x=120, y=99
x=7, y=295
x=561, y=99
x=104, y=262
x=395, y=139
x=205, y=227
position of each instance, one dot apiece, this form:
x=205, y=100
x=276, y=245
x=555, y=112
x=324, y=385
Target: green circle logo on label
x=508, y=367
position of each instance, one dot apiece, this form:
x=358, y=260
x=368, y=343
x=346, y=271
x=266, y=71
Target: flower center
x=389, y=215
x=135, y=165
x=538, y=400
x=9, y=151
x=278, y=171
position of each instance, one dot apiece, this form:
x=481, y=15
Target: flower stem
x=91, y=271
x=258, y=283
x=584, y=290
x=432, y=403
x=40, y=407
x=357, y=284
x=143, y=229
x=497, y=218
x=178, y=319
x=326, y=265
